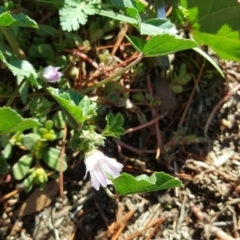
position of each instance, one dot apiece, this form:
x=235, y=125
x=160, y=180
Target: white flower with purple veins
x=51, y=74
x=99, y=165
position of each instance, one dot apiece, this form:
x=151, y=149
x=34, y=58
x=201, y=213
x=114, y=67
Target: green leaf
x=47, y=30
x=216, y=24
x=59, y=120
x=12, y=122
x=4, y=167
x=21, y=68
x=137, y=42
x=116, y=16
x=165, y=44
x=208, y=58
x=78, y=107
x=153, y=27
x=29, y=140
x=23, y=91
x=86, y=140
x=20, y=169
x=15, y=20
x=7, y=151
x=114, y=126
x=39, y=106
x=130, y=9
x=133, y=12
x=185, y=79
x=52, y=157
x=123, y=3
x=74, y=13
x=177, y=88
x=46, y=51
x=182, y=70
x=127, y=184
x=28, y=182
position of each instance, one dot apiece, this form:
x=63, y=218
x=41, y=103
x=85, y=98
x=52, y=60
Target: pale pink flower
x=99, y=165
x=51, y=74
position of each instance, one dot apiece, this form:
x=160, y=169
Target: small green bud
x=43, y=130
x=40, y=176
x=49, y=124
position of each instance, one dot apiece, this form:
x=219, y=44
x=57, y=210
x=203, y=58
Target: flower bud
x=51, y=74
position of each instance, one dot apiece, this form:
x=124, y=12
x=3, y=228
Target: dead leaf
x=39, y=199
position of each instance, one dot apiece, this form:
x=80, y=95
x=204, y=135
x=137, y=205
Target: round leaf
x=20, y=169
x=52, y=157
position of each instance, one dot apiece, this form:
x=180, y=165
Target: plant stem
x=14, y=95
x=13, y=43
x=110, y=194
x=118, y=73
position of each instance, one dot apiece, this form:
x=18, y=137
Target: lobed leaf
x=216, y=24
x=74, y=13
x=78, y=107
x=114, y=126
x=128, y=184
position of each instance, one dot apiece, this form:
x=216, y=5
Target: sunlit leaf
x=216, y=24
x=17, y=20
x=12, y=122
x=128, y=184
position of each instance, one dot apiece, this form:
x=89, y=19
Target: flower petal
x=99, y=165
x=111, y=166
x=90, y=162
x=100, y=175
x=94, y=181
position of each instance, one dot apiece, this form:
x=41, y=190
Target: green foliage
x=86, y=140
x=52, y=157
x=114, y=126
x=21, y=168
x=180, y=79
x=4, y=166
x=179, y=15
x=47, y=45
x=59, y=119
x=47, y=133
x=128, y=184
x=209, y=59
x=165, y=44
x=12, y=122
x=222, y=35
x=161, y=45
x=38, y=176
x=39, y=106
x=15, y=20
x=21, y=68
x=30, y=140
x=78, y=108
x=74, y=13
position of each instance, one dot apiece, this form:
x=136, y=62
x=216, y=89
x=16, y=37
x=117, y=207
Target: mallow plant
x=75, y=120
